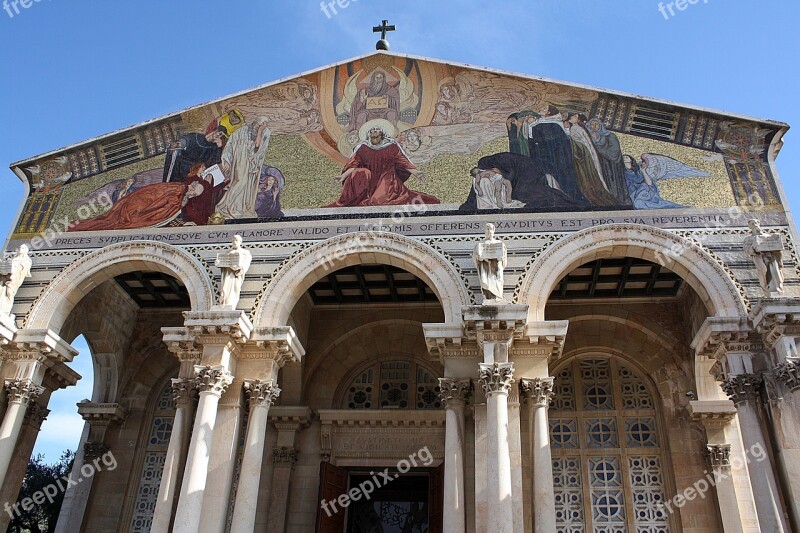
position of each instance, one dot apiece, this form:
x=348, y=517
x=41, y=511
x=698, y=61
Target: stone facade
x=519, y=417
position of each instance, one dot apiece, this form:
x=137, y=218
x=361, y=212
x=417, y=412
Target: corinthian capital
x=789, y=373
x=743, y=387
x=214, y=379
x=261, y=392
x=719, y=455
x=22, y=391
x=182, y=391
x=537, y=391
x=454, y=392
x=496, y=378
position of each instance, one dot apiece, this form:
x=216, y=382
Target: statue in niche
x=766, y=250
x=13, y=272
x=491, y=257
x=234, y=265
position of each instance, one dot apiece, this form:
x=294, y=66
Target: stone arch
x=713, y=285
x=289, y=284
x=74, y=282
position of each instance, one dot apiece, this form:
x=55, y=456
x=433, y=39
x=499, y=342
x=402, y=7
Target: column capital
x=261, y=393
x=183, y=391
x=22, y=391
x=284, y=457
x=743, y=387
x=454, y=392
x=94, y=450
x=36, y=415
x=213, y=379
x=719, y=455
x=789, y=373
x=537, y=391
x=496, y=378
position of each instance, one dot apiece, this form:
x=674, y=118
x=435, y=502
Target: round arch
x=291, y=282
x=713, y=285
x=74, y=282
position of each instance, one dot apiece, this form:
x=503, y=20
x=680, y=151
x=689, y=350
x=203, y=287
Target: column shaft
x=21, y=393
x=454, y=394
x=212, y=382
x=496, y=380
x=539, y=392
x=261, y=396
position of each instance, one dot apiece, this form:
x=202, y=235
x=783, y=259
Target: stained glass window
x=605, y=442
x=395, y=384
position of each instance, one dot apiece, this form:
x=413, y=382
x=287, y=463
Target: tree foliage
x=41, y=518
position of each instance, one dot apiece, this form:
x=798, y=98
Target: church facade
x=403, y=295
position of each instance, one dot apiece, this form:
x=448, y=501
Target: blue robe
x=645, y=196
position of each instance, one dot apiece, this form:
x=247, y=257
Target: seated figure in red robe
x=376, y=175
x=198, y=209
x=152, y=205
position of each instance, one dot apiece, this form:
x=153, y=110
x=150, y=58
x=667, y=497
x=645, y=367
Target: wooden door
x=436, y=500
x=332, y=483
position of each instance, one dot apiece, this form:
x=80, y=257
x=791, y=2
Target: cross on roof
x=383, y=44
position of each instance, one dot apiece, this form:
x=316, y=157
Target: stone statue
x=490, y=257
x=234, y=265
x=766, y=250
x=13, y=272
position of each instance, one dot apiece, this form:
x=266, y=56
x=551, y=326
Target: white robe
x=244, y=162
x=490, y=268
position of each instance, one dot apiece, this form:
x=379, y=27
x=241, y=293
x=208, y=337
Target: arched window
x=608, y=464
x=396, y=384
x=155, y=456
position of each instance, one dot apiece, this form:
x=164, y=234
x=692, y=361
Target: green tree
x=41, y=518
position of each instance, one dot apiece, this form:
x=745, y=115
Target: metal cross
x=383, y=28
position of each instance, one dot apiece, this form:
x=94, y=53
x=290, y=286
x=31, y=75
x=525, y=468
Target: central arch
x=53, y=306
x=289, y=284
x=713, y=285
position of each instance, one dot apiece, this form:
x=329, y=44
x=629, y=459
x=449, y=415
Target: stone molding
x=789, y=373
x=743, y=387
x=496, y=378
x=705, y=275
x=719, y=456
x=22, y=391
x=212, y=379
x=713, y=414
x=261, y=393
x=537, y=391
x=774, y=318
x=102, y=414
x=276, y=343
x=167, y=258
x=500, y=324
x=455, y=392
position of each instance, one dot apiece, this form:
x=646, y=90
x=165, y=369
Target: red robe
x=379, y=179
x=148, y=206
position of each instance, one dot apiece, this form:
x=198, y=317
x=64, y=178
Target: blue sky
x=72, y=70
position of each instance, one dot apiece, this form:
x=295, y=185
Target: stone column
x=744, y=390
x=211, y=382
x=454, y=394
x=183, y=391
x=21, y=392
x=260, y=396
x=496, y=379
x=538, y=392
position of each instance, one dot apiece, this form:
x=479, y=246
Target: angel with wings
x=641, y=178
